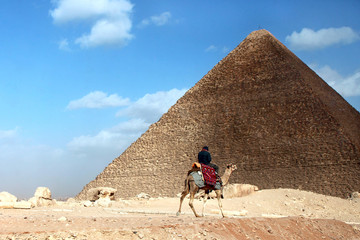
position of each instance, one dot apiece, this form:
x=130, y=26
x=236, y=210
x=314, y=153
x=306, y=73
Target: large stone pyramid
x=260, y=107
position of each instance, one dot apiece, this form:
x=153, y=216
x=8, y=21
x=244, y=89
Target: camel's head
x=231, y=167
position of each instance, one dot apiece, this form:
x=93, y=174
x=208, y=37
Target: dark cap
x=206, y=148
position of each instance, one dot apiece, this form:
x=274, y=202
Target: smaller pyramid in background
x=261, y=108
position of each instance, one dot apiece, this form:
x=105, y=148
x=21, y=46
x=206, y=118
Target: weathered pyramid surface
x=260, y=107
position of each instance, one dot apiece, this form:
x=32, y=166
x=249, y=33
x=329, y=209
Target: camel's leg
x=205, y=200
x=183, y=195
x=192, y=195
x=218, y=196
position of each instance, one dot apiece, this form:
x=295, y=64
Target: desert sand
x=265, y=214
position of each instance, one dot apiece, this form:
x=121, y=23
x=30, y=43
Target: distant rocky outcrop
x=7, y=200
x=260, y=108
x=101, y=192
x=100, y=196
x=42, y=198
x=7, y=197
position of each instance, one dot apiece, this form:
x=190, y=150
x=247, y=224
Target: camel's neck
x=226, y=176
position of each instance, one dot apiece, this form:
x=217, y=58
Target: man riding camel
x=204, y=157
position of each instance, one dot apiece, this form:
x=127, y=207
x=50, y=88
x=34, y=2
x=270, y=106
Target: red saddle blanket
x=208, y=174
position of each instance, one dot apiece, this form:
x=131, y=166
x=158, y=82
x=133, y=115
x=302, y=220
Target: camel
x=192, y=188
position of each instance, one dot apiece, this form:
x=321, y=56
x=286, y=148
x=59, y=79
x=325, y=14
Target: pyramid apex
x=259, y=34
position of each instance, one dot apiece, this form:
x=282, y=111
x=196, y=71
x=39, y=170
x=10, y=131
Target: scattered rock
x=22, y=205
x=100, y=197
x=42, y=192
x=355, y=195
x=62, y=219
x=101, y=192
x=103, y=202
x=8, y=200
x=41, y=202
x=42, y=198
x=143, y=195
x=7, y=205
x=88, y=204
x=7, y=197
x=33, y=201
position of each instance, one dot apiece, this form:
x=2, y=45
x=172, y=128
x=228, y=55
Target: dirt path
x=268, y=214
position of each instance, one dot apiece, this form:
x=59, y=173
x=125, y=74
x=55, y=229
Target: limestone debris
x=43, y=192
x=143, y=195
x=42, y=198
x=94, y=194
x=7, y=197
x=7, y=200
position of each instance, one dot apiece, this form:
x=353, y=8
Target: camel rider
x=204, y=157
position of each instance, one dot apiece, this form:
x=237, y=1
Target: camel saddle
x=209, y=176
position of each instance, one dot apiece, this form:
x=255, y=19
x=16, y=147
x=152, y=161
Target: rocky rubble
x=42, y=197
x=94, y=194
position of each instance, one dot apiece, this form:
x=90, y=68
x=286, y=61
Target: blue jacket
x=204, y=157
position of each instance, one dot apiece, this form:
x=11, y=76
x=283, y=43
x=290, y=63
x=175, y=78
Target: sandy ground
x=266, y=214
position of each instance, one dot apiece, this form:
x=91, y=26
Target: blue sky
x=80, y=80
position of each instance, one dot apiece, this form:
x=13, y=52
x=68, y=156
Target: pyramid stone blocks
x=261, y=108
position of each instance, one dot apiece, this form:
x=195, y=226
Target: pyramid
x=261, y=108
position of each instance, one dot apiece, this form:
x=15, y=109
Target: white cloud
x=108, y=143
x=111, y=22
x=157, y=20
x=70, y=10
x=152, y=106
x=7, y=134
x=144, y=23
x=347, y=86
x=98, y=99
x=64, y=45
x=112, y=142
x=106, y=32
x=211, y=48
x=309, y=39
x=162, y=19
